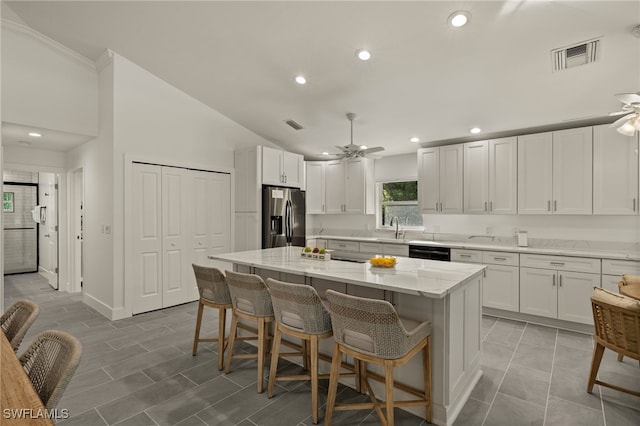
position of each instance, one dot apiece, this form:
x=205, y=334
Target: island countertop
x=426, y=278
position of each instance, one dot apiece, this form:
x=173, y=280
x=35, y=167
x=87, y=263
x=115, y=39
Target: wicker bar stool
x=299, y=312
x=251, y=301
x=370, y=331
x=15, y=322
x=214, y=293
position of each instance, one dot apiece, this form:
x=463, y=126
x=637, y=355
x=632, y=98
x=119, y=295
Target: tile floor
x=139, y=371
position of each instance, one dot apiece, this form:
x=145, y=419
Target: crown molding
x=30, y=32
x=105, y=59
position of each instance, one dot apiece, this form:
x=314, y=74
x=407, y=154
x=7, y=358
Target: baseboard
x=107, y=311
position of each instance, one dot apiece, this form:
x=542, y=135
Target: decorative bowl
x=383, y=262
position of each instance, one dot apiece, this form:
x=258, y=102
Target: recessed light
x=459, y=19
x=363, y=54
x=414, y=139
x=300, y=79
x=475, y=130
x=34, y=134
x=325, y=153
x=363, y=147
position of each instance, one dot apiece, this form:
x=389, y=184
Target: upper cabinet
x=282, y=168
x=348, y=186
x=615, y=172
x=315, y=187
x=490, y=176
x=440, y=179
x=555, y=172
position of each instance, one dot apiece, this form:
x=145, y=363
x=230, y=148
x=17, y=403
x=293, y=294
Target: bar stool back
x=251, y=301
x=214, y=293
x=299, y=312
x=371, y=331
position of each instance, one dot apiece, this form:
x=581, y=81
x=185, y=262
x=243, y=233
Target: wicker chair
x=370, y=331
x=299, y=312
x=617, y=327
x=214, y=292
x=15, y=322
x=50, y=363
x=251, y=301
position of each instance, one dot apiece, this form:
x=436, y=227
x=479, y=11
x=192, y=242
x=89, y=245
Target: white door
x=429, y=180
x=354, y=197
x=501, y=288
x=219, y=216
x=147, y=238
x=535, y=178
x=574, y=296
x=77, y=218
x=177, y=202
x=292, y=169
x=334, y=186
x=538, y=292
x=615, y=172
x=573, y=171
x=451, y=179
x=503, y=176
x=271, y=166
x=52, y=230
x=315, y=187
x=476, y=177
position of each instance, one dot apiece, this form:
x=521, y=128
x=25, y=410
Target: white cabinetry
x=440, y=179
x=558, y=286
x=349, y=186
x=490, y=176
x=501, y=284
x=615, y=172
x=555, y=172
x=282, y=168
x=315, y=180
x=612, y=271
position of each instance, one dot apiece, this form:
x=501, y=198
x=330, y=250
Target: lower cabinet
x=501, y=288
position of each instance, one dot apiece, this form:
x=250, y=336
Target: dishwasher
x=430, y=252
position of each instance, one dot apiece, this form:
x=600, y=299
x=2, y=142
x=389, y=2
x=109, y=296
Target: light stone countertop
x=426, y=278
x=549, y=250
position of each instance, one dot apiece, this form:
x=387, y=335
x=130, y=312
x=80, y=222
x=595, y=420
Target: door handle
x=485, y=206
x=634, y=204
x=490, y=206
x=555, y=205
x=46, y=235
x=437, y=206
x=548, y=205
x=560, y=280
x=554, y=280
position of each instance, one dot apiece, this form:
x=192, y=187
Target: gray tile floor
x=139, y=371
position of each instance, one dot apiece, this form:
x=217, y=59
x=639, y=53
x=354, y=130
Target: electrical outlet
x=107, y=229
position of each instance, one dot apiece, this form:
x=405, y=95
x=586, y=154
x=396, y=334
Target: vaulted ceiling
x=425, y=79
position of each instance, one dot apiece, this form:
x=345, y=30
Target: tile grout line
x=553, y=359
x=505, y=371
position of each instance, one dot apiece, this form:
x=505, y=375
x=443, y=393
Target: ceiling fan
x=630, y=122
x=352, y=150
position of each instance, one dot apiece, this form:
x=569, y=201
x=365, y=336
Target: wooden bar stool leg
x=333, y=383
x=426, y=371
x=196, y=338
x=314, y=378
x=222, y=317
x=388, y=385
x=362, y=378
x=261, y=351
x=232, y=338
x=598, y=350
x=275, y=352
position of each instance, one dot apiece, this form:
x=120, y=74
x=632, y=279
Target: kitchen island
x=446, y=293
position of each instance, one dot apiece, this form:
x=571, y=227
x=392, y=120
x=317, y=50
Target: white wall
x=33, y=159
x=45, y=84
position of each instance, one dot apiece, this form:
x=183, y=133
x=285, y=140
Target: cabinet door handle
x=499, y=258
x=436, y=206
x=485, y=206
x=441, y=206
x=557, y=263
x=554, y=280
x=560, y=280
x=490, y=206
x=555, y=205
x=465, y=255
x=548, y=205
x=323, y=207
x=634, y=204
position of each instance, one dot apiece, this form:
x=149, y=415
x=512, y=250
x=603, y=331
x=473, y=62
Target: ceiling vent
x=578, y=54
x=294, y=125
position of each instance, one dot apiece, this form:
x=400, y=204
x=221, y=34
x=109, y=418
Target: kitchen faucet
x=397, y=224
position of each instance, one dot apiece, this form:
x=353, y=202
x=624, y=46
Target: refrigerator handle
x=288, y=225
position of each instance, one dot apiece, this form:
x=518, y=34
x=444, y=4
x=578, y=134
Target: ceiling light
x=34, y=134
x=631, y=126
x=363, y=147
x=459, y=19
x=475, y=130
x=325, y=153
x=414, y=139
x=300, y=79
x=363, y=54
x=629, y=123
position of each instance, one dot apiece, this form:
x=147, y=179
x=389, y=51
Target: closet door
x=177, y=202
x=147, y=238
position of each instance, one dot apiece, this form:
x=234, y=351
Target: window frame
x=379, y=204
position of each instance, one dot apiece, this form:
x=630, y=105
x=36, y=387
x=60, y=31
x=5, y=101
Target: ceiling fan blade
x=628, y=98
x=623, y=111
x=344, y=149
x=622, y=119
x=372, y=150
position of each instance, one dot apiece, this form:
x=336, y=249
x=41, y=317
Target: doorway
x=20, y=227
x=77, y=223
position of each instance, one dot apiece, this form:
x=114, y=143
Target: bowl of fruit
x=383, y=261
x=316, y=253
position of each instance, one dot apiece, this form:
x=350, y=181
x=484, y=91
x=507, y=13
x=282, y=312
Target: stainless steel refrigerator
x=283, y=217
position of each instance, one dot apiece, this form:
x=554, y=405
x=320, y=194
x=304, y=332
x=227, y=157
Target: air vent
x=578, y=54
x=294, y=125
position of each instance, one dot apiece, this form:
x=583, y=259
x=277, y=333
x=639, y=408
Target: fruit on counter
x=383, y=262
x=316, y=250
x=322, y=251
x=307, y=249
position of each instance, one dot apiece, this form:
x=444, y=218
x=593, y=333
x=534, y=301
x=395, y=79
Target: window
x=399, y=199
